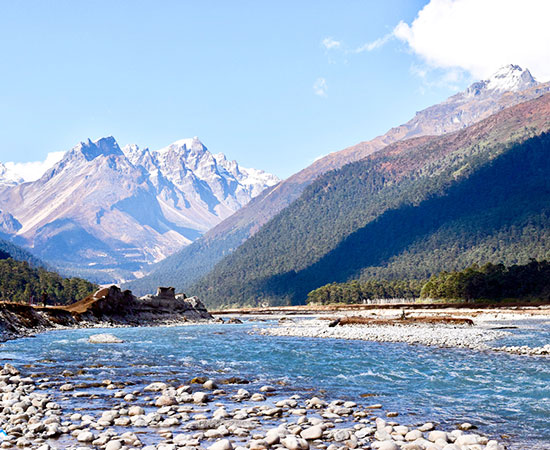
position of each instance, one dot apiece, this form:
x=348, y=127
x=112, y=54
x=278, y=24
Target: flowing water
x=500, y=393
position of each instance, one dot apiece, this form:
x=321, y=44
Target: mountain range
x=105, y=212
x=509, y=86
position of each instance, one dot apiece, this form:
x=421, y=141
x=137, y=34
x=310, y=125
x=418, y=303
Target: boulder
x=312, y=433
x=104, y=338
x=222, y=444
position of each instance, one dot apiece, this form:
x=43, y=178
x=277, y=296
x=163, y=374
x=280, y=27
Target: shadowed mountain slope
x=509, y=86
x=416, y=207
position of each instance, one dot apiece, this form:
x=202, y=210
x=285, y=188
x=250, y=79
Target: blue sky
x=273, y=85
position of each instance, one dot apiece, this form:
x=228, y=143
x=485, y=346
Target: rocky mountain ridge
x=104, y=212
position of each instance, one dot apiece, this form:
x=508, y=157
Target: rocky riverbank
x=432, y=331
x=438, y=335
x=108, y=307
x=161, y=416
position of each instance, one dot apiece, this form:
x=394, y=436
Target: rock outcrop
x=122, y=307
x=108, y=306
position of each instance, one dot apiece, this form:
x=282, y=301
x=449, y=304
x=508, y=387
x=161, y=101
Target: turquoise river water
x=501, y=394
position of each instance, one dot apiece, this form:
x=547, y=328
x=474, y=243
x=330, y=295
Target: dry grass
x=361, y=320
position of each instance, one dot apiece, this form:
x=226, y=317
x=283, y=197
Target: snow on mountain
x=506, y=87
x=105, y=212
x=8, y=177
x=511, y=78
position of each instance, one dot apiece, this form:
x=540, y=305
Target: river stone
x=312, y=433
x=104, y=338
x=156, y=387
x=364, y=432
x=200, y=397
x=210, y=385
x=437, y=435
x=413, y=435
x=413, y=446
x=135, y=411
x=386, y=445
x=295, y=443
x=222, y=444
x=212, y=434
x=166, y=400
x=467, y=439
x=341, y=435
x=427, y=427
x=85, y=436
x=316, y=402
x=258, y=444
x=272, y=437
x=113, y=445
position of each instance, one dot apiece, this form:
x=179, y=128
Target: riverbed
x=507, y=397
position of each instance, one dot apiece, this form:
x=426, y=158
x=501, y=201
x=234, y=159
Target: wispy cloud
x=330, y=44
x=377, y=43
x=320, y=87
x=33, y=170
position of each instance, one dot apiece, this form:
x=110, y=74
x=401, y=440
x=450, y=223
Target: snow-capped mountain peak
x=510, y=78
x=106, y=210
x=188, y=144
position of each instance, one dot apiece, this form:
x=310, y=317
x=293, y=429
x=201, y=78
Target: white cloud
x=320, y=87
x=370, y=46
x=480, y=36
x=31, y=171
x=330, y=43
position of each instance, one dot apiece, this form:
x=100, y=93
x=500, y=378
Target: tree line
x=359, y=292
x=494, y=282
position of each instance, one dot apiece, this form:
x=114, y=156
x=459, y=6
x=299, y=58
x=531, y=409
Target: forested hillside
x=24, y=278
x=21, y=283
x=411, y=210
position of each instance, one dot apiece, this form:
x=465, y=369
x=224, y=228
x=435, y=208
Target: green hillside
x=411, y=210
x=23, y=278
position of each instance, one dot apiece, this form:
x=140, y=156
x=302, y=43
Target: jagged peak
x=104, y=146
x=193, y=143
x=509, y=78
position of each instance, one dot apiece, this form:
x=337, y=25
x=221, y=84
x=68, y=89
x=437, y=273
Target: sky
x=273, y=85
